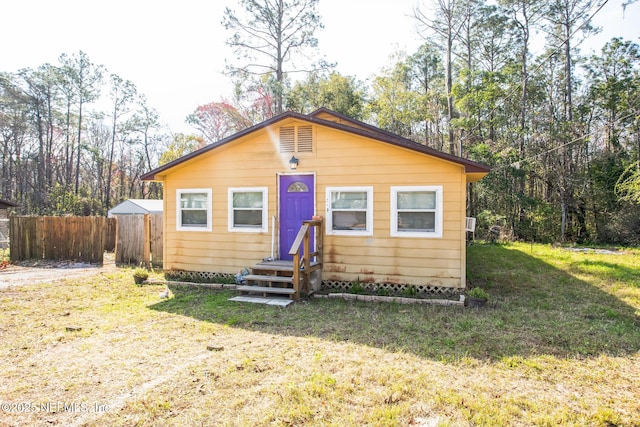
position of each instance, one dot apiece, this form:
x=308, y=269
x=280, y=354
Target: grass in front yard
x=557, y=345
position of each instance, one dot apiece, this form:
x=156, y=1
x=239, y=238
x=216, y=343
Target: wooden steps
x=280, y=265
x=269, y=279
x=276, y=278
x=266, y=290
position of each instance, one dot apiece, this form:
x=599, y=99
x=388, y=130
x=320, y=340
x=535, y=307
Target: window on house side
x=416, y=211
x=248, y=209
x=193, y=209
x=350, y=211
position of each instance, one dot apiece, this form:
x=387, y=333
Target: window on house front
x=193, y=209
x=298, y=187
x=416, y=211
x=248, y=209
x=350, y=211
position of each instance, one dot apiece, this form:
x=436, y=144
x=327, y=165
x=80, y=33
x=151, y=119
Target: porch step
x=266, y=289
x=274, y=266
x=267, y=278
x=279, y=266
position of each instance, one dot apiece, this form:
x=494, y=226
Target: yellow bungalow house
x=387, y=212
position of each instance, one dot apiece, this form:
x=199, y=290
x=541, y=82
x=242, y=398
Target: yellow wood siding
x=339, y=159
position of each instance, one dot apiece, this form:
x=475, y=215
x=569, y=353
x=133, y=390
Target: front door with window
x=296, y=205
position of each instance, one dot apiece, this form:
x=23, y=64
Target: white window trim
x=179, y=193
x=265, y=209
x=394, y=212
x=369, y=224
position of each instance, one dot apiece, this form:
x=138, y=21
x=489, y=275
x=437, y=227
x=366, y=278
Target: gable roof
x=136, y=206
x=475, y=169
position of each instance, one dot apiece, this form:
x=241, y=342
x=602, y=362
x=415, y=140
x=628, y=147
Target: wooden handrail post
x=303, y=241
x=296, y=275
x=307, y=260
x=319, y=241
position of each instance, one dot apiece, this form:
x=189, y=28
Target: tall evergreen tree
x=83, y=79
x=269, y=38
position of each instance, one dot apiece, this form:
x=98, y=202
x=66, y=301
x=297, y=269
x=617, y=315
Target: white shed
x=136, y=206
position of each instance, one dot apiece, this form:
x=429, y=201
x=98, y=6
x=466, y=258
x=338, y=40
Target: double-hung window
x=193, y=209
x=416, y=211
x=248, y=209
x=350, y=211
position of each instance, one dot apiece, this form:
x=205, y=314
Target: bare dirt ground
x=32, y=272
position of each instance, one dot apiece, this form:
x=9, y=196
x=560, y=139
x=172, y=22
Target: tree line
x=561, y=130
x=59, y=154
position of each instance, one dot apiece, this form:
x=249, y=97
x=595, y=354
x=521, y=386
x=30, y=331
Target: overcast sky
x=174, y=51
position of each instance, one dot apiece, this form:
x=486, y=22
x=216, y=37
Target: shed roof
x=136, y=206
x=4, y=204
x=474, y=170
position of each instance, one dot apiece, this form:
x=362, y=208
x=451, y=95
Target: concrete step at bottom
x=280, y=302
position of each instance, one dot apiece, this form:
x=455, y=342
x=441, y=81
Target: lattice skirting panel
x=327, y=285
x=200, y=276
x=391, y=288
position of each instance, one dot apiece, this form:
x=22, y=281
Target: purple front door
x=296, y=204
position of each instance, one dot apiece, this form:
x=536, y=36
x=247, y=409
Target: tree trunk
x=107, y=196
x=449, y=85
x=69, y=149
x=79, y=147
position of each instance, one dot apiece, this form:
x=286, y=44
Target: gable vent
x=305, y=139
x=287, y=139
x=296, y=139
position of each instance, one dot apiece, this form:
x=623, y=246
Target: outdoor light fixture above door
x=293, y=163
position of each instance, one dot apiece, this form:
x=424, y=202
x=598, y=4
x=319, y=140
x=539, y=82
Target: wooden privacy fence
x=110, y=236
x=139, y=239
x=59, y=238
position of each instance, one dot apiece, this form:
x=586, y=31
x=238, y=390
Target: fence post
x=15, y=245
x=155, y=221
x=146, y=251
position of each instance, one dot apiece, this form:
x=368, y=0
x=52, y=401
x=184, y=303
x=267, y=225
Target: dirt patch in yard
x=41, y=271
x=599, y=251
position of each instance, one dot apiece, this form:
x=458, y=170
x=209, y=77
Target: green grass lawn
x=557, y=344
